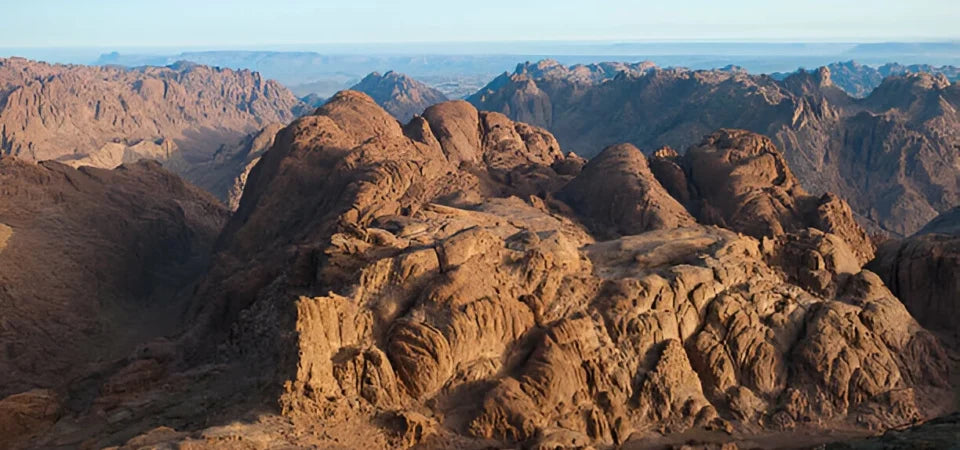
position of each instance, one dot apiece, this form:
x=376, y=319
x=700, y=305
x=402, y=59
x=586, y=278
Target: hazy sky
x=238, y=23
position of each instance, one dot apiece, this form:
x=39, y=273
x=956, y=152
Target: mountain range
x=463, y=278
x=860, y=80
x=893, y=154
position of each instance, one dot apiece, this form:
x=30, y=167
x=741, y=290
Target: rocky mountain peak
x=401, y=95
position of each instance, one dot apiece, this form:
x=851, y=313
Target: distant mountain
x=860, y=80
x=400, y=95
x=893, y=155
x=325, y=74
x=180, y=115
x=313, y=100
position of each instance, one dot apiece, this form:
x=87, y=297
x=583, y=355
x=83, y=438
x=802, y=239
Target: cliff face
x=104, y=116
x=892, y=154
x=400, y=95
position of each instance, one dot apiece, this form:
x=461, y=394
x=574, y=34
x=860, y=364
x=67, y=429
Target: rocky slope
x=400, y=95
x=439, y=283
x=93, y=262
x=225, y=175
x=924, y=271
x=105, y=116
x=892, y=154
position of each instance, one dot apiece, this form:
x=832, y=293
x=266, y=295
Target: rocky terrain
x=446, y=283
x=181, y=115
x=93, y=263
x=860, y=80
x=922, y=270
x=892, y=155
x=225, y=174
x=400, y=95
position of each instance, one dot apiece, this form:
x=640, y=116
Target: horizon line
x=599, y=41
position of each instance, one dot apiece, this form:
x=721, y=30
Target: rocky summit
x=892, y=154
x=461, y=282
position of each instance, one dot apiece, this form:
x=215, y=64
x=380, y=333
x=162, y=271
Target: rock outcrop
x=739, y=180
x=27, y=415
x=181, y=115
x=923, y=270
x=400, y=95
x=618, y=195
x=892, y=154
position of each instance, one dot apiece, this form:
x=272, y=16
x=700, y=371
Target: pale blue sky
x=245, y=23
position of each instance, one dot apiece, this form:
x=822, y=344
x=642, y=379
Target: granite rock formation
x=923, y=270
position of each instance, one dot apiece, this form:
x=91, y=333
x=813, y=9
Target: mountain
x=325, y=73
x=922, y=270
x=892, y=154
x=460, y=69
x=313, y=100
x=93, y=263
x=440, y=284
x=860, y=80
x=105, y=116
x=399, y=94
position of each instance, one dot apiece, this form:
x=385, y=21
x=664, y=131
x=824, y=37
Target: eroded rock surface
x=739, y=180
x=439, y=284
x=432, y=268
x=618, y=194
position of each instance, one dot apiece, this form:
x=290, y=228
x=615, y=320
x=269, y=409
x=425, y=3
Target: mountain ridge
x=103, y=117
x=891, y=154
